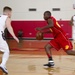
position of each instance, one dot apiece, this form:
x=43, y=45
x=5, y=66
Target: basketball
x=39, y=35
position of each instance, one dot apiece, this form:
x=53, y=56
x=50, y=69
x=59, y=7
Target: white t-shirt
x=3, y=44
x=2, y=22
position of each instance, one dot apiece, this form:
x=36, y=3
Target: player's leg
x=48, y=52
x=4, y=60
x=70, y=52
x=66, y=44
x=73, y=44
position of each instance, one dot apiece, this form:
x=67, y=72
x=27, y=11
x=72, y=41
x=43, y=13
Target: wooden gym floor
x=28, y=57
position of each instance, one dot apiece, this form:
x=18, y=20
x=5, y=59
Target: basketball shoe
x=4, y=69
x=49, y=64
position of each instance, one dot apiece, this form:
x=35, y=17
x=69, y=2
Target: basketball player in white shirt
x=5, y=22
x=73, y=28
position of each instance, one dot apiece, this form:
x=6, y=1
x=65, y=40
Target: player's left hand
x=38, y=28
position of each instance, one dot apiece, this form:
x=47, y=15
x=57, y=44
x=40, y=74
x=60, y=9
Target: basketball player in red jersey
x=60, y=38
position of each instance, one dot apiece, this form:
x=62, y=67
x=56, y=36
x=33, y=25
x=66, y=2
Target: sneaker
x=4, y=69
x=50, y=64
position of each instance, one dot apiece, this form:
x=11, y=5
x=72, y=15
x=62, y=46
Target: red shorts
x=61, y=41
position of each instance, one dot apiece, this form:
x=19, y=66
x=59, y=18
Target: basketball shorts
x=61, y=41
x=3, y=44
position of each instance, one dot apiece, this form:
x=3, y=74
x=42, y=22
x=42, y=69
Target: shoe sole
x=3, y=70
x=48, y=66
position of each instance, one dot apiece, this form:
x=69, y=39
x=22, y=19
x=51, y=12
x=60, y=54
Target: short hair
x=48, y=12
x=7, y=8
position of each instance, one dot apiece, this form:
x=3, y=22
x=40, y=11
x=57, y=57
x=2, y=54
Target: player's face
x=46, y=16
x=8, y=13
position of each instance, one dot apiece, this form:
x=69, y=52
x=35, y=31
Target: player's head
x=7, y=11
x=47, y=15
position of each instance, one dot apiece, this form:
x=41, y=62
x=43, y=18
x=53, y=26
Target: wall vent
x=32, y=9
x=55, y=9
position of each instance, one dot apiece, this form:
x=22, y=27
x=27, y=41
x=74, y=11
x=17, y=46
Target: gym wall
x=27, y=20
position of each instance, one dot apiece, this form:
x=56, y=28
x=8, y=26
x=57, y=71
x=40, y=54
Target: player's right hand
x=16, y=39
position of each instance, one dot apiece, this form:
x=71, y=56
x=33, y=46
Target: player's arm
x=10, y=29
x=47, y=31
x=50, y=25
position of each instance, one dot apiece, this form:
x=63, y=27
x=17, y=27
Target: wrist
x=14, y=37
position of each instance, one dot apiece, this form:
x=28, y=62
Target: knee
x=7, y=51
x=47, y=47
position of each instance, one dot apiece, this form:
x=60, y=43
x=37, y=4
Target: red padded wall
x=29, y=31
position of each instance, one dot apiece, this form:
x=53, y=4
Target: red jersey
x=57, y=28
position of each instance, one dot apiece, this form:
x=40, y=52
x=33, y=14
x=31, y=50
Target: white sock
x=5, y=58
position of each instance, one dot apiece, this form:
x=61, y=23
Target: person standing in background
x=72, y=22
x=20, y=36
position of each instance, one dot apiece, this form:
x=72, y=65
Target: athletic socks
x=50, y=58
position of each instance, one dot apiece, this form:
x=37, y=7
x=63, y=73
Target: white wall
x=20, y=8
